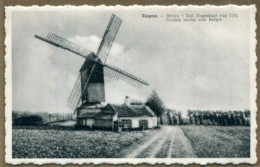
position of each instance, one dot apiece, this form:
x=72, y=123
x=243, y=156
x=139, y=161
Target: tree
x=180, y=118
x=155, y=103
x=190, y=114
x=247, y=113
x=200, y=117
x=27, y=120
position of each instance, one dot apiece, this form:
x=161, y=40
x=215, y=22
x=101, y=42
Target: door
x=116, y=126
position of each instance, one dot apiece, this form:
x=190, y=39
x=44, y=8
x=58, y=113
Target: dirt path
x=141, y=148
x=169, y=142
x=169, y=154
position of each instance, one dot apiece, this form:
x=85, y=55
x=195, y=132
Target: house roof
x=133, y=111
x=89, y=112
x=87, y=115
x=108, y=112
x=93, y=105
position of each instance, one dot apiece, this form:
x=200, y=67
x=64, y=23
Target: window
x=143, y=124
x=126, y=123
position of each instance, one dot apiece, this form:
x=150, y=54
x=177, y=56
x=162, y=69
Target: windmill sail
x=65, y=44
x=118, y=74
x=109, y=37
x=75, y=94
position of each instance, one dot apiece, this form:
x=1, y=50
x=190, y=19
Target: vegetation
x=198, y=117
x=176, y=119
x=155, y=103
x=27, y=120
x=218, y=142
x=28, y=143
x=222, y=118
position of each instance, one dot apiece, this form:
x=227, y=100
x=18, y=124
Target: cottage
x=120, y=117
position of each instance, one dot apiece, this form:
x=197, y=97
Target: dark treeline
x=27, y=118
x=199, y=117
x=222, y=118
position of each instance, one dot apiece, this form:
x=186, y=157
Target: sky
x=190, y=65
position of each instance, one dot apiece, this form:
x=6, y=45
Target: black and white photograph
x=133, y=84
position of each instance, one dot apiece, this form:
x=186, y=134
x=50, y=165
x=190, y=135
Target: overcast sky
x=190, y=65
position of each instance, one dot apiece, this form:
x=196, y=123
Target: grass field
x=52, y=143
x=219, y=141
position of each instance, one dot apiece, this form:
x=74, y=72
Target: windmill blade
x=65, y=44
x=75, y=94
x=118, y=74
x=108, y=37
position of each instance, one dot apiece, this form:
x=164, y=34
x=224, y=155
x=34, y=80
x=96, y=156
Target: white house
x=121, y=117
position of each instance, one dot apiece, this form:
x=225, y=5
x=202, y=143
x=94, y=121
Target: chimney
x=127, y=101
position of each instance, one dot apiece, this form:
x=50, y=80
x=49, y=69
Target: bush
x=27, y=120
x=222, y=118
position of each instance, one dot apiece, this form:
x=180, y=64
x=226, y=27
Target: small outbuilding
x=86, y=114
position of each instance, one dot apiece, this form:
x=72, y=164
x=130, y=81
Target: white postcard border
x=185, y=161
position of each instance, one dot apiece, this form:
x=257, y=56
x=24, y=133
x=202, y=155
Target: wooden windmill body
x=89, y=89
x=95, y=91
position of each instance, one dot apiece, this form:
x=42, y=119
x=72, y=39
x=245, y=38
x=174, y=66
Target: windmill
x=89, y=87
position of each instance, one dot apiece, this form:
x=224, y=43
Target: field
x=219, y=141
x=52, y=143
x=168, y=142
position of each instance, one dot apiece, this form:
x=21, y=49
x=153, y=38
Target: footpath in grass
x=219, y=141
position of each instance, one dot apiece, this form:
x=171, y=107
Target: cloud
x=88, y=42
